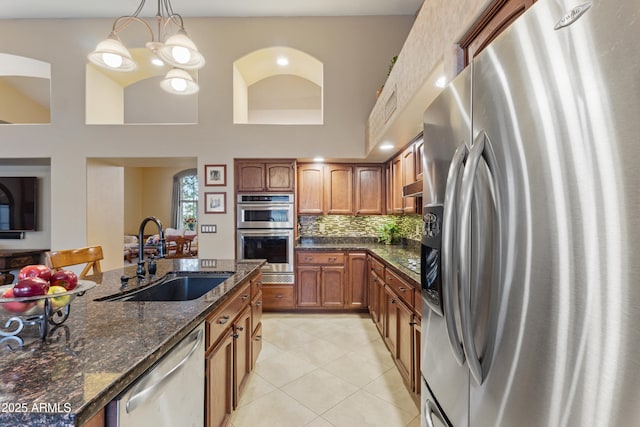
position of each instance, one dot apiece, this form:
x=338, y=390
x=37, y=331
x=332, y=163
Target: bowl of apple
x=40, y=291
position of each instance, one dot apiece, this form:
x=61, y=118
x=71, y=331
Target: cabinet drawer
x=256, y=310
x=400, y=287
x=377, y=267
x=222, y=318
x=256, y=285
x=332, y=258
x=277, y=296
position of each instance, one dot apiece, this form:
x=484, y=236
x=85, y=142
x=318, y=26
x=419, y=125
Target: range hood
x=412, y=190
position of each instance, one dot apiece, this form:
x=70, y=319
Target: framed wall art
x=215, y=203
x=215, y=175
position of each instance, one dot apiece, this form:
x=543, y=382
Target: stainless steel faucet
x=140, y=271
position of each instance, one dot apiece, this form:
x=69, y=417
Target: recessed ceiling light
x=282, y=61
x=386, y=146
x=318, y=159
x=157, y=62
x=441, y=82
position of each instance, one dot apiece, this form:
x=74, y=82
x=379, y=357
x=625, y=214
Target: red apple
x=15, y=306
x=41, y=271
x=65, y=278
x=30, y=287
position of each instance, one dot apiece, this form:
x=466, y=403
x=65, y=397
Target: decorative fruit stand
x=41, y=311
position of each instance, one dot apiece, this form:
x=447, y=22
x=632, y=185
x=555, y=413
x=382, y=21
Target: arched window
x=185, y=200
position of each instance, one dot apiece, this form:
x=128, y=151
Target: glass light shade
x=180, y=51
x=112, y=55
x=179, y=82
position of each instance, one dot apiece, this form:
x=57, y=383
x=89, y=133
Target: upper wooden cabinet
x=344, y=189
x=259, y=175
x=369, y=190
x=496, y=18
x=408, y=177
x=310, y=189
x=338, y=189
x=418, y=147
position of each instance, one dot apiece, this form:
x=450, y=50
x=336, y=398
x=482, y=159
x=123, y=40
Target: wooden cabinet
x=242, y=357
x=369, y=192
x=278, y=297
x=229, y=356
x=310, y=189
x=320, y=279
x=280, y=177
x=219, y=380
x=396, y=185
x=258, y=175
x=357, y=275
x=308, y=279
x=418, y=148
x=376, y=292
x=408, y=177
x=332, y=286
x=340, y=189
x=496, y=18
x=417, y=333
x=398, y=334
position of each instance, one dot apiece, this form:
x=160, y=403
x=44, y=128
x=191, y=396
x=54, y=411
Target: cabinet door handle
x=235, y=336
x=393, y=301
x=223, y=320
x=413, y=323
x=259, y=303
x=279, y=296
x=245, y=296
x=240, y=328
x=401, y=289
x=258, y=338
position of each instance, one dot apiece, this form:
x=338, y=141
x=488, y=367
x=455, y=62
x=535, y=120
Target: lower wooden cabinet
x=230, y=355
x=357, y=283
x=219, y=376
x=242, y=357
x=256, y=345
x=278, y=297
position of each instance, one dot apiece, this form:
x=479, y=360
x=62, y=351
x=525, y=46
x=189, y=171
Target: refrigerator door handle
x=481, y=148
x=431, y=409
x=449, y=274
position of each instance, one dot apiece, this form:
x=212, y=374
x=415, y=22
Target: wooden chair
x=182, y=248
x=92, y=255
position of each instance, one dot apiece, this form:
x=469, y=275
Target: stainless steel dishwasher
x=170, y=394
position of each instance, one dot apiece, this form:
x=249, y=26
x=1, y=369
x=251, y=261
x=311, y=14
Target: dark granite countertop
x=397, y=256
x=102, y=347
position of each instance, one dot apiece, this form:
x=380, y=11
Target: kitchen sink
x=173, y=288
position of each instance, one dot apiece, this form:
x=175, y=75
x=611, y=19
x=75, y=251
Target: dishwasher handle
x=139, y=397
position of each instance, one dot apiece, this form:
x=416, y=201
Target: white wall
x=105, y=211
x=355, y=52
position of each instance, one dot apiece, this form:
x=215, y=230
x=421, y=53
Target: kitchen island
x=103, y=346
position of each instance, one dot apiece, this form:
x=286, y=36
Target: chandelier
x=177, y=50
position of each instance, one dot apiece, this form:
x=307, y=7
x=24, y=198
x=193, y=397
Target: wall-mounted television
x=18, y=203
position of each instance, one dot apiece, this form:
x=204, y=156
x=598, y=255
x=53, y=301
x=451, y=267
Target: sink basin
x=174, y=288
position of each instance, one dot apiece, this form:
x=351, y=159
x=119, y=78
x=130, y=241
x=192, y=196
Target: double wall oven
x=265, y=224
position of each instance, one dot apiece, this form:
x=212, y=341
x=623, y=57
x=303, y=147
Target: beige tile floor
x=321, y=370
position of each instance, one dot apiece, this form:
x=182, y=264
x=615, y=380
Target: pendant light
x=177, y=49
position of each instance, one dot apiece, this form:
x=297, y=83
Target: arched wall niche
x=266, y=91
x=25, y=90
x=135, y=97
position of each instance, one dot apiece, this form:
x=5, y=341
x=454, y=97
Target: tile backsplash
x=358, y=226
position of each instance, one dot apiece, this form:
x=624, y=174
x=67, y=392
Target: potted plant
x=388, y=232
x=393, y=62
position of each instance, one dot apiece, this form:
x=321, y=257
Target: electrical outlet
x=321, y=228
x=208, y=228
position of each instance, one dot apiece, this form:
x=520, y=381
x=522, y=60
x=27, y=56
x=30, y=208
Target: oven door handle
x=263, y=233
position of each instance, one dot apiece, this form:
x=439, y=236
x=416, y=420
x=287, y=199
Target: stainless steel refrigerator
x=531, y=249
